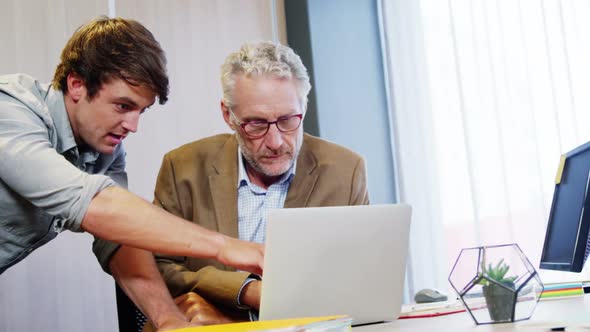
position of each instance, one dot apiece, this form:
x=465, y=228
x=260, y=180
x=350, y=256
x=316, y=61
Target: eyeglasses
x=259, y=128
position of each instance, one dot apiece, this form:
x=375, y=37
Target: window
x=486, y=96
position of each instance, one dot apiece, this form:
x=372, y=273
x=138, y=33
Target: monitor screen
x=567, y=244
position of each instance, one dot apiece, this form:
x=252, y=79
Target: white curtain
x=60, y=287
x=486, y=96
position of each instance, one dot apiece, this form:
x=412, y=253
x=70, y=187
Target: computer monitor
x=567, y=244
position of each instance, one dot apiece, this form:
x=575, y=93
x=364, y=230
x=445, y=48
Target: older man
x=228, y=182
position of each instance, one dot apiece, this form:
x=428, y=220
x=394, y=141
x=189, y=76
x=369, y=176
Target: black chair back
x=131, y=319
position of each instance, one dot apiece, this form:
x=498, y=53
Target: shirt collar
x=65, y=134
x=57, y=109
x=243, y=178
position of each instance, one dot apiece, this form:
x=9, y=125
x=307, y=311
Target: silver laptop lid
x=336, y=260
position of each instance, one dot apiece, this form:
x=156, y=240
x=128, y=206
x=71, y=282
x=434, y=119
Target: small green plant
x=498, y=290
x=497, y=273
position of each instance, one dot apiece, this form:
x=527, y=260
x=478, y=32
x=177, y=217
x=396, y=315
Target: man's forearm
x=136, y=273
x=122, y=217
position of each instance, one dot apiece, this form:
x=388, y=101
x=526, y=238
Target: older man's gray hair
x=264, y=59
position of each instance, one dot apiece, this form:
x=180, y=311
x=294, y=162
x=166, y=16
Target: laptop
x=323, y=261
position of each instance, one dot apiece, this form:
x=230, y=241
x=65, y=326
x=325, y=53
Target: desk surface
x=548, y=313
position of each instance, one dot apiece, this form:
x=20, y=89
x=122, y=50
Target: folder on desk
x=561, y=290
x=424, y=310
x=308, y=324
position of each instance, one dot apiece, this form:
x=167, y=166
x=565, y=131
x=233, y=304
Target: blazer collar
x=223, y=181
x=305, y=178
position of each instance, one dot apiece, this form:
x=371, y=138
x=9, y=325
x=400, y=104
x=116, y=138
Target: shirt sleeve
x=30, y=166
x=104, y=250
x=251, y=278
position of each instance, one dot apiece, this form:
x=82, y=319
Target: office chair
x=131, y=319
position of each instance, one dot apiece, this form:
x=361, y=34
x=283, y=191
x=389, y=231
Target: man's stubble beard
x=252, y=162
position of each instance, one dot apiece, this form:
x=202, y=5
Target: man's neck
x=71, y=107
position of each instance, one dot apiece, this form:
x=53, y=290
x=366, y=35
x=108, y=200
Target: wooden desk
x=548, y=313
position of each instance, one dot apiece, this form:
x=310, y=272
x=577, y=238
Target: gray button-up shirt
x=46, y=182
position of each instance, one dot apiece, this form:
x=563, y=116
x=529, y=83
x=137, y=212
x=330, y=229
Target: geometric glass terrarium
x=497, y=284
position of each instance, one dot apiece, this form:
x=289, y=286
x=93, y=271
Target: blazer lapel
x=306, y=176
x=223, y=182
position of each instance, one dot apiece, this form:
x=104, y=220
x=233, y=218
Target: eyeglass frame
x=268, y=123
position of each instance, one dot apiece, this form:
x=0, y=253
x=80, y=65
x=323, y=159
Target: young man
x=62, y=165
x=228, y=182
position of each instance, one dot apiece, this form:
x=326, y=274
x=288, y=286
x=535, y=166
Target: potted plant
x=498, y=290
x=509, y=287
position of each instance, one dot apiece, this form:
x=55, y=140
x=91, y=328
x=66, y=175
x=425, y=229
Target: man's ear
x=76, y=87
x=226, y=115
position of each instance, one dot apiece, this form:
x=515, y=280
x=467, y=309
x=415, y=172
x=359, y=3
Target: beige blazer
x=199, y=182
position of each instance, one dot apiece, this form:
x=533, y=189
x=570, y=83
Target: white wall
x=60, y=287
x=197, y=36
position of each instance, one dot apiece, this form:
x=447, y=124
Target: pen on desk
x=557, y=328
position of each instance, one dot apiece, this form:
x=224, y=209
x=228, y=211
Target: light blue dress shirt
x=253, y=205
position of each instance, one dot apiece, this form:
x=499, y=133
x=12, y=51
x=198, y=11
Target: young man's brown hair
x=109, y=48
